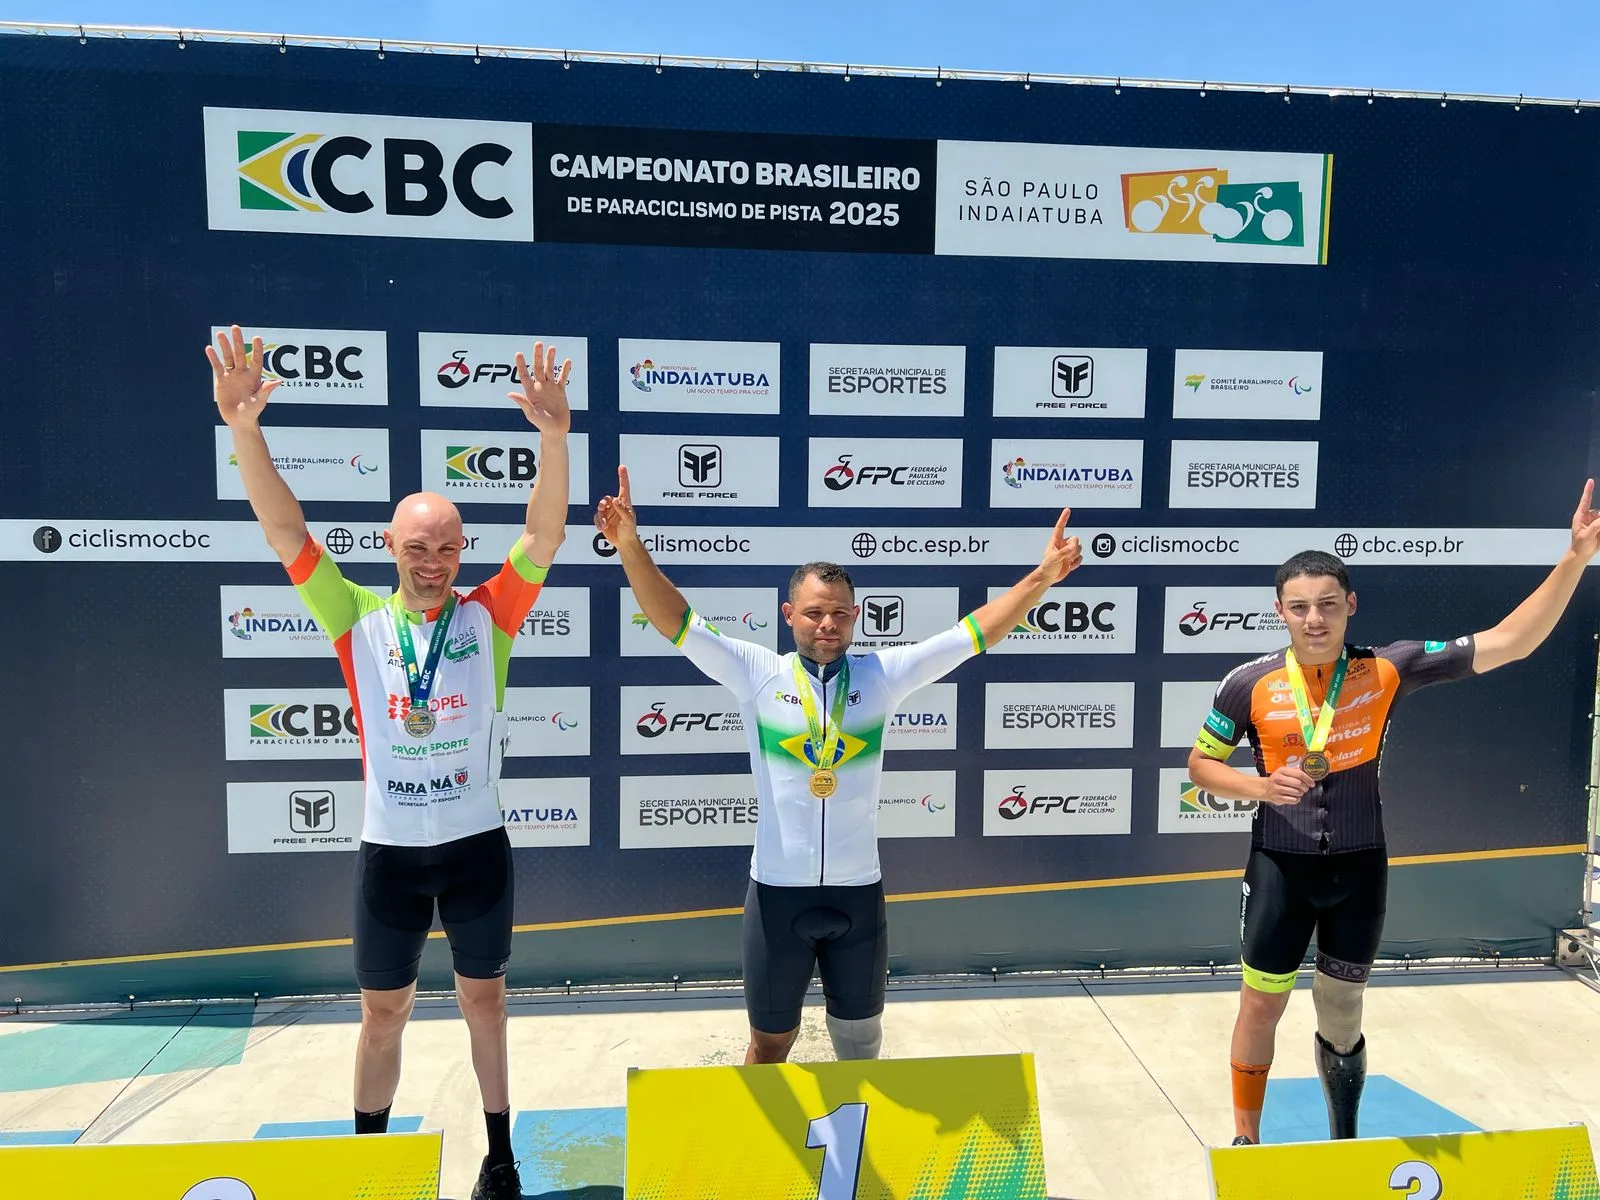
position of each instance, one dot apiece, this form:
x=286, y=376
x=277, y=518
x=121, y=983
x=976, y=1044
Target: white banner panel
x=321, y=366
x=690, y=471
x=666, y=375
x=1075, y=620
x=884, y=473
x=1243, y=475
x=478, y=370
x=917, y=804
x=1025, y=473
x=1070, y=381
x=546, y=812
x=488, y=466
x=1247, y=385
x=557, y=626
x=901, y=616
x=681, y=720
x=888, y=381
x=748, y=613
x=546, y=721
x=1057, y=716
x=1222, y=620
x=925, y=720
x=317, y=464
x=284, y=723
x=1185, y=807
x=1037, y=803
x=1184, y=706
x=1035, y=200
x=287, y=818
x=675, y=811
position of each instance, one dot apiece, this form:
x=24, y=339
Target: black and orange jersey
x=1344, y=811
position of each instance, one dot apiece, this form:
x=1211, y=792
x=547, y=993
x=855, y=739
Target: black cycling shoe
x=497, y=1183
x=1243, y=1140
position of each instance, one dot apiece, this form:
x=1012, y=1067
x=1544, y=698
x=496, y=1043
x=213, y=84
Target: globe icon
x=1345, y=545
x=341, y=540
x=864, y=544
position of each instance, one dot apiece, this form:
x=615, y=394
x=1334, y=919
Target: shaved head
x=425, y=538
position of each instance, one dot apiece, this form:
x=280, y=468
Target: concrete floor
x=1132, y=1073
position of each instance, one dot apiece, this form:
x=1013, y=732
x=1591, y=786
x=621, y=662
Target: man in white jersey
x=426, y=670
x=815, y=721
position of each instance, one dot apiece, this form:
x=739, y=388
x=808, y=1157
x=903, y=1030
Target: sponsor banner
x=1186, y=807
x=478, y=370
x=488, y=466
x=1033, y=200
x=750, y=614
x=1243, y=475
x=547, y=721
x=1184, y=706
x=283, y=723
x=925, y=720
x=681, y=720
x=1057, y=716
x=904, y=615
x=97, y=539
x=1247, y=385
x=1222, y=620
x=322, y=366
x=556, y=627
x=753, y=191
x=286, y=818
x=278, y=171
x=1075, y=620
x=1038, y=474
x=1038, y=381
x=884, y=473
x=663, y=375
x=888, y=381
x=1026, y=803
x=271, y=621
x=546, y=812
x=690, y=471
x=662, y=811
x=917, y=804
x=317, y=464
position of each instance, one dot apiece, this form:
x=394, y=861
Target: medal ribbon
x=1316, y=735
x=420, y=680
x=825, y=739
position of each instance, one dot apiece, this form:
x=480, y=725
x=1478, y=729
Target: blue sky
x=1537, y=47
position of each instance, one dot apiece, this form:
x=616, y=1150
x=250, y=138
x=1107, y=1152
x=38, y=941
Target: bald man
x=426, y=671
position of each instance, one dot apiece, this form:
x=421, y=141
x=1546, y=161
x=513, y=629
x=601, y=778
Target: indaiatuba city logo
x=646, y=376
x=1017, y=472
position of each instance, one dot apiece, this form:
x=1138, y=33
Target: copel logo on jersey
x=450, y=708
x=1204, y=202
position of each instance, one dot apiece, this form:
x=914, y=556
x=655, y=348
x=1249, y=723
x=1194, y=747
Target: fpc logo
x=381, y=176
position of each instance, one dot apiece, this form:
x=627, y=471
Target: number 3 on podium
x=1414, y=1175
x=840, y=1136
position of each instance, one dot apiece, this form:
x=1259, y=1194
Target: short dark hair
x=1312, y=563
x=826, y=572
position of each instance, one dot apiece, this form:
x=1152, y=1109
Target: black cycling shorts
x=1287, y=897
x=396, y=887
x=789, y=932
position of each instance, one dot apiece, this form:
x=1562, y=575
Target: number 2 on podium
x=1418, y=1180
x=839, y=1136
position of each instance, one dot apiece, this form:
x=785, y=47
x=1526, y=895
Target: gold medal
x=823, y=783
x=1316, y=765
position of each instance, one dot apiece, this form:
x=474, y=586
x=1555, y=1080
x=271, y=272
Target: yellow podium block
x=396, y=1166
x=898, y=1129
x=1527, y=1164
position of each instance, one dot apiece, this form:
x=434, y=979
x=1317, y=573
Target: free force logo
x=277, y=818
x=731, y=470
x=376, y=176
x=1068, y=382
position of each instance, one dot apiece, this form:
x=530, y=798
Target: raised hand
x=614, y=515
x=1586, y=524
x=543, y=398
x=236, y=378
x=1064, y=554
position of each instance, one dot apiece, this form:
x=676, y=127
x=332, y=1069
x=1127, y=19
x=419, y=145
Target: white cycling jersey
x=801, y=840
